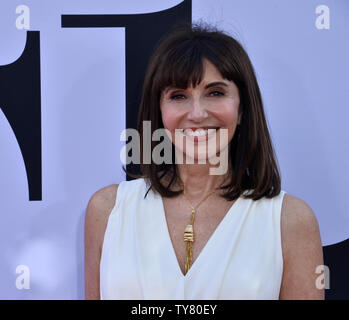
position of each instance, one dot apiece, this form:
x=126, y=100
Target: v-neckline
x=207, y=244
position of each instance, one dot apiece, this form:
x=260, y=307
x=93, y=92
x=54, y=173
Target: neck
x=197, y=179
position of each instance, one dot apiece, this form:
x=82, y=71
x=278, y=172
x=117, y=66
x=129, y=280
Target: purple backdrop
x=302, y=71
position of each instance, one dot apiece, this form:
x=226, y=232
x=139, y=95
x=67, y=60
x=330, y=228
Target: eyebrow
x=209, y=85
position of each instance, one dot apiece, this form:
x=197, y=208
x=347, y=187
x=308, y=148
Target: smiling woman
x=177, y=231
x=203, y=77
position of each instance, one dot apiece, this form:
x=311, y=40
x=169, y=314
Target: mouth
x=199, y=132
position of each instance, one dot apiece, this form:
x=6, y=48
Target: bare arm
x=302, y=251
x=98, y=210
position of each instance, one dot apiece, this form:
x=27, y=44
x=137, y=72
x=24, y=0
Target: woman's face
x=212, y=105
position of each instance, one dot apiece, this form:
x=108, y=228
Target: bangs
x=181, y=68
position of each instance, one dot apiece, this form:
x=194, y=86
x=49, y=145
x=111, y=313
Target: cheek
x=170, y=118
x=228, y=115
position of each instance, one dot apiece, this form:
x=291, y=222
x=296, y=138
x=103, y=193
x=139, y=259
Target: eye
x=216, y=93
x=177, y=97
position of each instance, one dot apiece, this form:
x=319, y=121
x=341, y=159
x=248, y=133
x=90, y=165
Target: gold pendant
x=189, y=239
x=189, y=233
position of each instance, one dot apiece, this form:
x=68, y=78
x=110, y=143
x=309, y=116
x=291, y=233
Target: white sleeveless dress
x=241, y=260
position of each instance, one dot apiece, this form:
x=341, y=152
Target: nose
x=197, y=111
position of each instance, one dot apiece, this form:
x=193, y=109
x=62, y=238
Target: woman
x=181, y=231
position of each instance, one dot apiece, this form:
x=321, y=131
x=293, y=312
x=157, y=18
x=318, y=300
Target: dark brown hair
x=178, y=61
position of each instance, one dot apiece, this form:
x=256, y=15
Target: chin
x=200, y=158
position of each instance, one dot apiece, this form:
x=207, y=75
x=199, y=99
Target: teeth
x=197, y=133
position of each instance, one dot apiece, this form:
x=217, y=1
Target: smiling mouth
x=198, y=132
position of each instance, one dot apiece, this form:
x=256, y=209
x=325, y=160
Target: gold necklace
x=189, y=233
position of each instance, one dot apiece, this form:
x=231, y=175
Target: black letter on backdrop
x=142, y=32
x=20, y=101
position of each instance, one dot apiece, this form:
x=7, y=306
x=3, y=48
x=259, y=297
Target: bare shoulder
x=302, y=250
x=297, y=217
x=98, y=210
x=296, y=213
x=102, y=200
